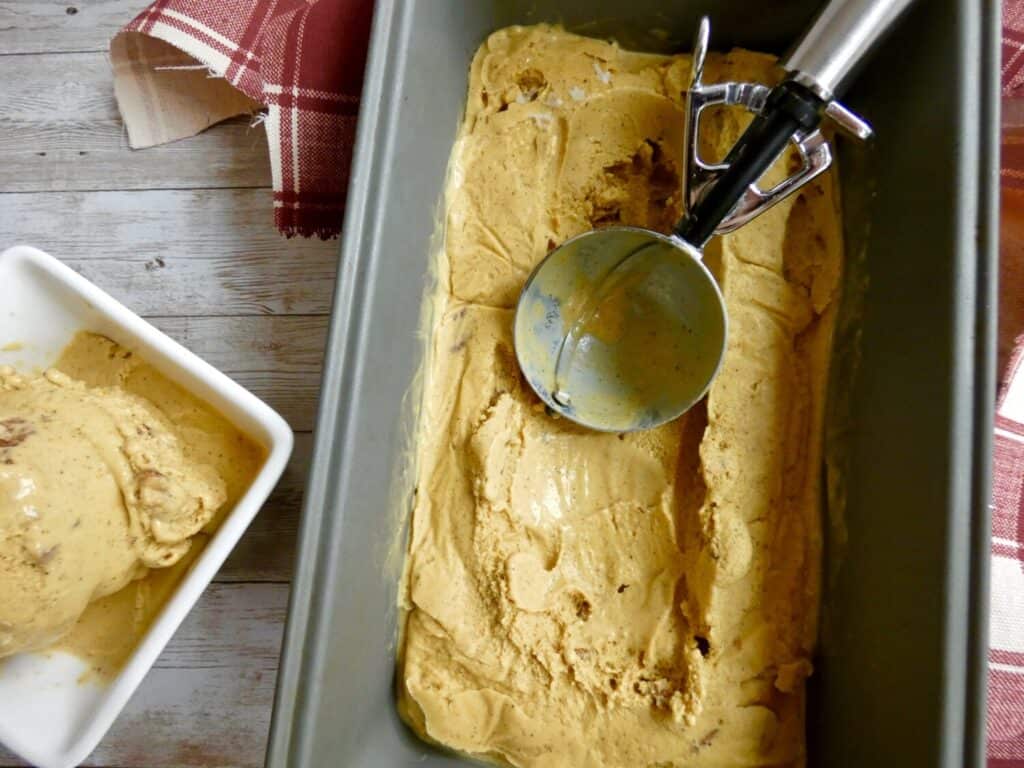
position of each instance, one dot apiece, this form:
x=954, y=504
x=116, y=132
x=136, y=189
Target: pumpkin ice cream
x=575, y=598
x=94, y=490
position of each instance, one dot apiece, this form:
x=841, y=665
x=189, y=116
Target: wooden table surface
x=183, y=234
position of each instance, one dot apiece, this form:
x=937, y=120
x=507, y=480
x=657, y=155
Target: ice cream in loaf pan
x=583, y=599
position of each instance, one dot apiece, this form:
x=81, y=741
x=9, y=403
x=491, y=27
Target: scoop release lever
x=720, y=197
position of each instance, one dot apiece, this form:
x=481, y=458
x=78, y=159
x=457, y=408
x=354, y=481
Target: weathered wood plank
x=208, y=699
x=267, y=550
x=227, y=285
x=178, y=252
x=60, y=130
x=48, y=89
x=278, y=358
x=52, y=26
x=187, y=223
x=196, y=261
x=227, y=155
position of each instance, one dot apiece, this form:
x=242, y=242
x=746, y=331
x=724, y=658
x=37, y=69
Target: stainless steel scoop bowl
x=621, y=329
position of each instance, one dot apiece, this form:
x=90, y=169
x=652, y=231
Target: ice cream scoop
x=624, y=328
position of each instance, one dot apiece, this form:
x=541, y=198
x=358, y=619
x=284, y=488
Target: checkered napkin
x=1006, y=651
x=1006, y=646
x=182, y=65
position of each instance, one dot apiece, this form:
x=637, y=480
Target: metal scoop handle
x=840, y=38
x=721, y=197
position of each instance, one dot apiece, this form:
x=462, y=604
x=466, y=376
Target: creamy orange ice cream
x=94, y=489
x=97, y=486
x=575, y=598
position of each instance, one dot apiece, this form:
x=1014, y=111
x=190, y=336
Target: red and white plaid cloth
x=183, y=65
x=1006, y=644
x=1006, y=650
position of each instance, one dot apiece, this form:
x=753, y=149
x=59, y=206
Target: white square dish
x=49, y=714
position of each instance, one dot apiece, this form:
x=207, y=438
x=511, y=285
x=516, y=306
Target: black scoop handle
x=790, y=108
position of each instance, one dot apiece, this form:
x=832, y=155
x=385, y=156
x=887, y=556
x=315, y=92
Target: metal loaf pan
x=900, y=678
